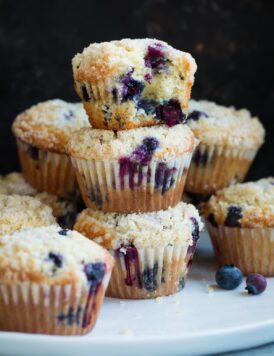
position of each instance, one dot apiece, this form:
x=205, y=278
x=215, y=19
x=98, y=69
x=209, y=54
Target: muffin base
x=154, y=272
x=250, y=249
x=47, y=171
x=54, y=310
x=102, y=188
x=214, y=167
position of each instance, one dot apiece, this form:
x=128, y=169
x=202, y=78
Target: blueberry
x=182, y=283
x=228, y=277
x=131, y=88
x=33, y=152
x=255, y=283
x=195, y=230
x=67, y=221
x=234, y=214
x=131, y=258
x=170, y=113
x=211, y=219
x=95, y=195
x=84, y=93
x=56, y=258
x=164, y=177
x=132, y=164
x=200, y=158
x=69, y=115
x=63, y=232
x=151, y=144
x=71, y=317
x=196, y=115
x=149, y=106
x=95, y=273
x=150, y=278
x=155, y=58
x=115, y=94
x=148, y=77
x=195, y=237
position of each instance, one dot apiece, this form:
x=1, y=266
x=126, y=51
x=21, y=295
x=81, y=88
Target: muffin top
x=243, y=205
x=153, y=229
x=159, y=141
x=15, y=183
x=51, y=255
x=214, y=124
x=18, y=212
x=48, y=125
x=101, y=61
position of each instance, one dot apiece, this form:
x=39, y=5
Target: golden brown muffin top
x=49, y=125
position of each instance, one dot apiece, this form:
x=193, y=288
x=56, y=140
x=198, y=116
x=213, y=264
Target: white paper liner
x=51, y=172
x=102, y=188
x=221, y=167
x=250, y=249
x=158, y=272
x=45, y=309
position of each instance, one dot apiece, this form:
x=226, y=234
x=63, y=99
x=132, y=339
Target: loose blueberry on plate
x=255, y=284
x=228, y=277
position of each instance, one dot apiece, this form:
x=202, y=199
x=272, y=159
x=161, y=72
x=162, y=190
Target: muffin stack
x=52, y=280
x=131, y=165
x=42, y=133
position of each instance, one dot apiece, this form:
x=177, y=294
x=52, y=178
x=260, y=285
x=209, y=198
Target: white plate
x=200, y=320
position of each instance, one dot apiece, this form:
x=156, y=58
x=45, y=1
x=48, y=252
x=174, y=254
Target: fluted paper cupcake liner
x=47, y=171
x=215, y=167
x=148, y=272
x=250, y=249
x=45, y=309
x=142, y=188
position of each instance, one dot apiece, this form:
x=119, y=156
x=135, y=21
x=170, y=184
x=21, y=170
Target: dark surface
x=230, y=41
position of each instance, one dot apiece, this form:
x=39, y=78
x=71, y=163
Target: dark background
x=230, y=40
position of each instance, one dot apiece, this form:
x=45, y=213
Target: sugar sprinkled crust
x=154, y=229
x=48, y=125
x=18, y=212
x=24, y=256
x=105, y=144
x=100, y=61
x=254, y=201
x=14, y=183
x=225, y=126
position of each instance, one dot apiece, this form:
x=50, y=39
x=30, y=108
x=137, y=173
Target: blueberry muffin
x=52, y=281
x=19, y=212
x=229, y=141
x=153, y=251
x=240, y=221
x=131, y=83
x=63, y=210
x=42, y=133
x=136, y=170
